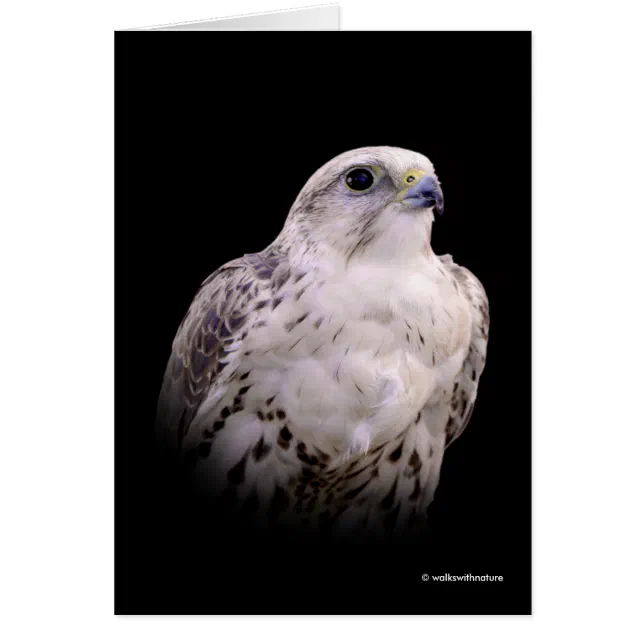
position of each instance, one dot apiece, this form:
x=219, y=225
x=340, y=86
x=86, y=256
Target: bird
x=316, y=384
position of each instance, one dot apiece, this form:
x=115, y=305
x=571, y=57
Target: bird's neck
x=402, y=244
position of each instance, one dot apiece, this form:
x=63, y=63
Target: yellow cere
x=411, y=178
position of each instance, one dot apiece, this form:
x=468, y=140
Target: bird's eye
x=359, y=179
x=411, y=178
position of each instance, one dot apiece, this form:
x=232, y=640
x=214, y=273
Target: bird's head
x=375, y=202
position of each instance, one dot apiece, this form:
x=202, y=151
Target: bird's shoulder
x=463, y=395
x=472, y=289
x=233, y=290
x=212, y=332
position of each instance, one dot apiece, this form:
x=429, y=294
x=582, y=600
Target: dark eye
x=359, y=179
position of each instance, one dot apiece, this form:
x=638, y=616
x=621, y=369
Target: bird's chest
x=345, y=345
x=416, y=313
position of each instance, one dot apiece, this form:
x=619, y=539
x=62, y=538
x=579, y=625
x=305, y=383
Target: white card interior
x=321, y=18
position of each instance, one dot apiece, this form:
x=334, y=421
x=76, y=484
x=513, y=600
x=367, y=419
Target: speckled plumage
x=319, y=381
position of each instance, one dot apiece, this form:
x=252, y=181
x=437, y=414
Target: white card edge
x=172, y=25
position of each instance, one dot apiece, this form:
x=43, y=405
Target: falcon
x=318, y=382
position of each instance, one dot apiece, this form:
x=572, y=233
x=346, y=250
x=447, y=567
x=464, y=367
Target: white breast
x=376, y=344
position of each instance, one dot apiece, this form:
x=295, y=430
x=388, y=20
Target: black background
x=215, y=135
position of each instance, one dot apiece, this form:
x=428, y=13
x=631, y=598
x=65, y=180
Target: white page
x=320, y=18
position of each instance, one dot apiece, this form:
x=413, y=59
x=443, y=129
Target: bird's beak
x=425, y=194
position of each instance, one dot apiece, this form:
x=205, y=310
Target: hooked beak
x=425, y=194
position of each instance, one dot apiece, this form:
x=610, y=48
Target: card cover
x=323, y=322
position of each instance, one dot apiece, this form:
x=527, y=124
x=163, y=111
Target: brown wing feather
x=465, y=388
x=216, y=320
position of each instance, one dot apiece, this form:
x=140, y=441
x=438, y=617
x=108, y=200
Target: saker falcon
x=320, y=380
